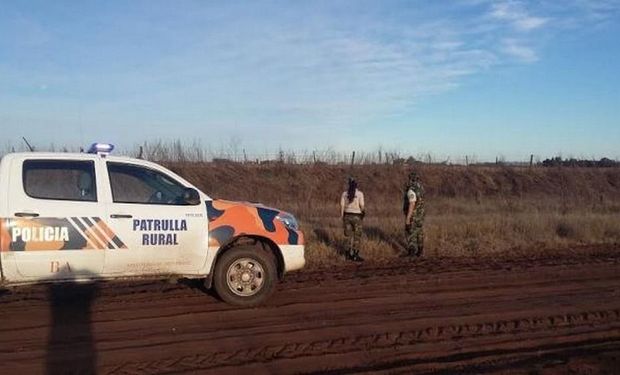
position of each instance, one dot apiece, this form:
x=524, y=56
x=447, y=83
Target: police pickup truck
x=88, y=216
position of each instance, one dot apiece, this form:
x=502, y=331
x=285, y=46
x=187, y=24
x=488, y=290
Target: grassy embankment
x=471, y=211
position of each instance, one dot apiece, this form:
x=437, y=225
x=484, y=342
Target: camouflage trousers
x=414, y=235
x=352, y=232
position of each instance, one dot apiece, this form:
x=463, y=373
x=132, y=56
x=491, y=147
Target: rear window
x=71, y=180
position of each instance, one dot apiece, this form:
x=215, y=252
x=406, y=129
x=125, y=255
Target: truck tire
x=245, y=276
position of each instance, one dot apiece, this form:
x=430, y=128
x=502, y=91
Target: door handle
x=26, y=214
x=120, y=216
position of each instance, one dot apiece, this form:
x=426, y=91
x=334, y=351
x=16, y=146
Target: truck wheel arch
x=264, y=243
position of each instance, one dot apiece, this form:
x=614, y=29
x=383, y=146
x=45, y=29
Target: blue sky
x=477, y=77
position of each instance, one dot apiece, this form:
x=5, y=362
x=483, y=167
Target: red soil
x=544, y=315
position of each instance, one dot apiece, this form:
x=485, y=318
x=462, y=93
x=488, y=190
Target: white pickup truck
x=89, y=216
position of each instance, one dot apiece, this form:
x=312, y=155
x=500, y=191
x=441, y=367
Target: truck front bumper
x=293, y=256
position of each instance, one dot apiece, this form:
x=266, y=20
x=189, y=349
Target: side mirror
x=191, y=197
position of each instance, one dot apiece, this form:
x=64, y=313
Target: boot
x=350, y=255
x=420, y=251
x=409, y=254
x=356, y=257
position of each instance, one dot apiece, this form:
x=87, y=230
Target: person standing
x=413, y=208
x=352, y=214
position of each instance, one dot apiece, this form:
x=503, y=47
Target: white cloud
x=530, y=23
x=598, y=10
x=516, y=14
x=312, y=66
x=519, y=51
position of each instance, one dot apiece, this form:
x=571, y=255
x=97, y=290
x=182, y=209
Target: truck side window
x=136, y=184
x=72, y=180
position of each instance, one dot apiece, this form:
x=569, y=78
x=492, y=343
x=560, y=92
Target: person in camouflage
x=413, y=208
x=352, y=214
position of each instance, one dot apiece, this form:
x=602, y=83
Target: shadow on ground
x=199, y=285
x=375, y=233
x=323, y=236
x=71, y=346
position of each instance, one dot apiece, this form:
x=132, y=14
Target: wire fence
x=177, y=151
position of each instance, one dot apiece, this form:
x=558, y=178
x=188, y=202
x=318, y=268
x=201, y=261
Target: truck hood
x=223, y=203
x=228, y=219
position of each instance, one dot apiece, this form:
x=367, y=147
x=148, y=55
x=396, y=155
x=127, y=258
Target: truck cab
x=88, y=216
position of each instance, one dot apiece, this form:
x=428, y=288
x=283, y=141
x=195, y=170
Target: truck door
x=55, y=218
x=163, y=231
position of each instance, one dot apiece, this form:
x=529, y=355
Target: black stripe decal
x=212, y=212
x=267, y=216
x=117, y=241
x=100, y=233
x=293, y=237
x=96, y=234
x=93, y=238
x=79, y=224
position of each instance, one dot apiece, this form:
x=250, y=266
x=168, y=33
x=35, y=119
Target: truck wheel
x=245, y=276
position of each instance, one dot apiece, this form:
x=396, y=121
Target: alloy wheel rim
x=245, y=277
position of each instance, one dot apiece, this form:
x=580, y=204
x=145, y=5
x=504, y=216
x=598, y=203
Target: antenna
x=28, y=144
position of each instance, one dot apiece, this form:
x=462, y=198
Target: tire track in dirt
x=499, y=292
x=125, y=290
x=465, y=314
x=392, y=340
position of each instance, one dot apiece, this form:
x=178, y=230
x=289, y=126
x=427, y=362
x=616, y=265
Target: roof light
x=101, y=148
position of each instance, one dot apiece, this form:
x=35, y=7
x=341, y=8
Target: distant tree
x=573, y=162
x=606, y=163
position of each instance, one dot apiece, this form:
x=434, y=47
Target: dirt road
x=550, y=314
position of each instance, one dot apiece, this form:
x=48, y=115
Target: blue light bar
x=101, y=148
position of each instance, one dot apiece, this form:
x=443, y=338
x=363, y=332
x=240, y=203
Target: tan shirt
x=356, y=206
x=411, y=196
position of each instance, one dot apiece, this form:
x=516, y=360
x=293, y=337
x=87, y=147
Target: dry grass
x=495, y=229
x=471, y=211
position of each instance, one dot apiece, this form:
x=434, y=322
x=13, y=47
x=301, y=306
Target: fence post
x=531, y=160
x=352, y=158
